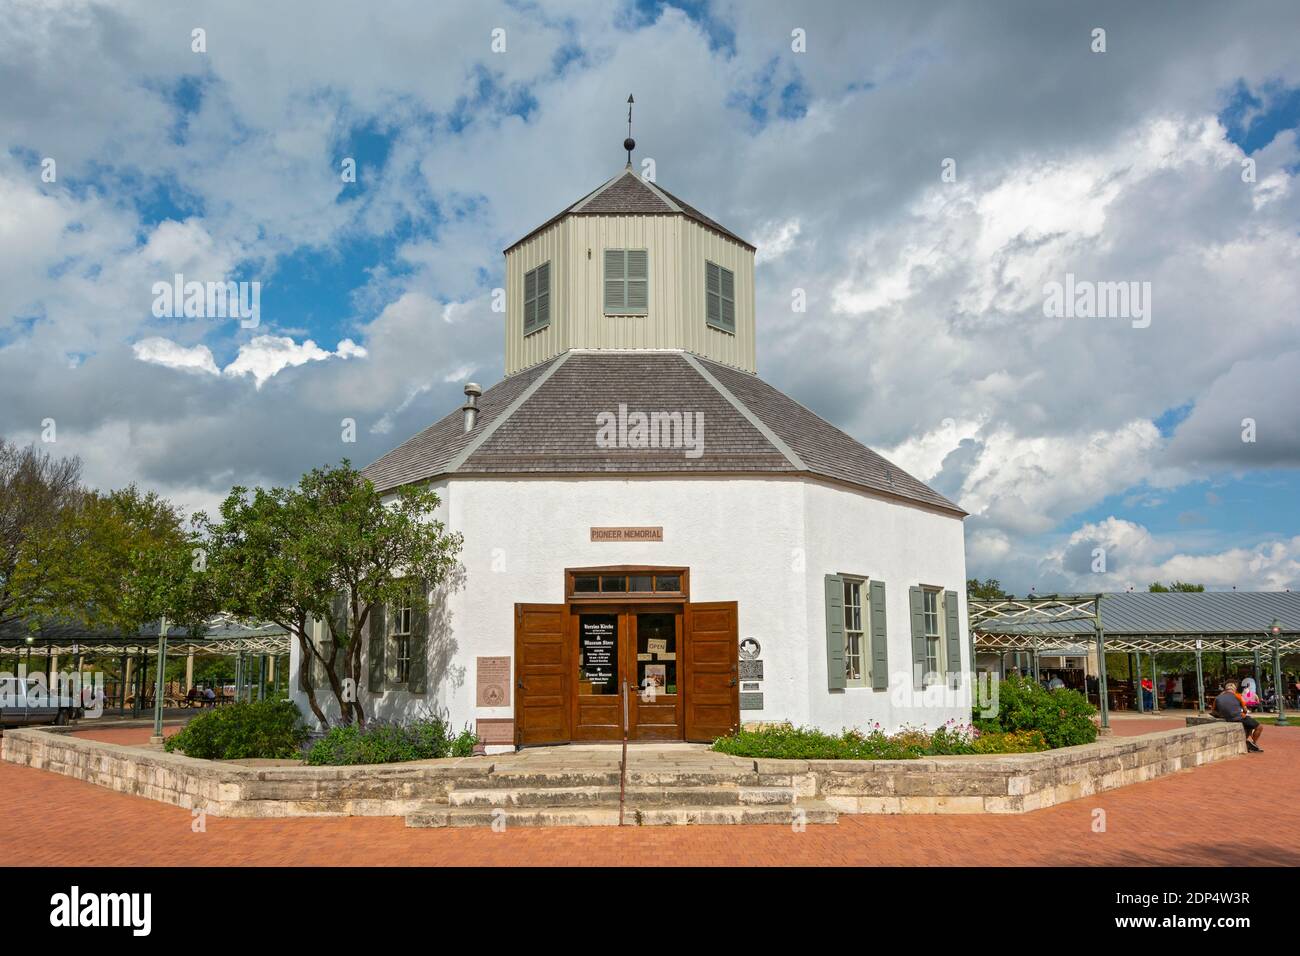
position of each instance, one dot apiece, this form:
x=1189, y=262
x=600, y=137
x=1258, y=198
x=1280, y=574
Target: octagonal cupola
x=630, y=266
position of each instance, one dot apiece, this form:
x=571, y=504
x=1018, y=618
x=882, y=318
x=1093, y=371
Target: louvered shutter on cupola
x=879, y=638
x=952, y=634
x=916, y=604
x=375, y=651
x=638, y=280
x=835, y=675
x=530, y=300
x=417, y=676
x=543, y=304
x=728, y=293
x=615, y=281
x=712, y=293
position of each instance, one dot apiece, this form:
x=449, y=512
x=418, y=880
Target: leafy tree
x=117, y=561
x=328, y=550
x=1158, y=588
x=990, y=589
x=35, y=489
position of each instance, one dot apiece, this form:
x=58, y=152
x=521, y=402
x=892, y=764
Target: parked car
x=23, y=702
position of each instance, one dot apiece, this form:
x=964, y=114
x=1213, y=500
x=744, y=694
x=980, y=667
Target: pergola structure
x=1144, y=622
x=255, y=646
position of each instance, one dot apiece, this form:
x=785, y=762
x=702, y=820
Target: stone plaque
x=751, y=701
x=627, y=534
x=493, y=682
x=750, y=649
x=751, y=686
x=495, y=730
x=751, y=670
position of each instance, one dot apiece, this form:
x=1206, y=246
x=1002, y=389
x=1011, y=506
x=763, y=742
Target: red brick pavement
x=1177, y=820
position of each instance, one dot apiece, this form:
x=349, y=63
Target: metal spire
x=629, y=144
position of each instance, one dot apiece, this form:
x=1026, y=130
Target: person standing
x=1228, y=706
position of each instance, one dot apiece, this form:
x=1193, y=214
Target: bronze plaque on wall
x=627, y=534
x=493, y=682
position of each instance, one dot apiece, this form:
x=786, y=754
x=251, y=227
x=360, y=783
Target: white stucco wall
x=762, y=542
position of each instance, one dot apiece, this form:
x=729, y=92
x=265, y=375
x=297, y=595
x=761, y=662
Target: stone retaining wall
x=233, y=790
x=1010, y=783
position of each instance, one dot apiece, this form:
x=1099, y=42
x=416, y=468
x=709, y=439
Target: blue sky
x=925, y=337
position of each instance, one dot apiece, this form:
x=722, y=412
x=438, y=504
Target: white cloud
x=265, y=355
x=165, y=352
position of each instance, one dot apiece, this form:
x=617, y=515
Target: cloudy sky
x=1171, y=158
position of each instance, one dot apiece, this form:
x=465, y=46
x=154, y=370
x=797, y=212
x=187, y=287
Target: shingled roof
x=543, y=421
x=627, y=194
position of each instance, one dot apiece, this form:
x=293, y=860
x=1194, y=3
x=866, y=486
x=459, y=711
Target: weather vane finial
x=629, y=144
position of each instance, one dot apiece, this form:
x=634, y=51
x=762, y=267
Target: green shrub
x=268, y=728
x=1013, y=742
x=1064, y=717
x=808, y=743
x=385, y=742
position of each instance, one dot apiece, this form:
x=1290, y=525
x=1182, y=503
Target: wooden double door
x=678, y=663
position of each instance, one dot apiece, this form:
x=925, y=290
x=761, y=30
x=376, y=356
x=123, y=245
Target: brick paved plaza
x=1177, y=820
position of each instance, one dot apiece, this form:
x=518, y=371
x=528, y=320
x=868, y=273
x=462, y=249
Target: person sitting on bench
x=1228, y=706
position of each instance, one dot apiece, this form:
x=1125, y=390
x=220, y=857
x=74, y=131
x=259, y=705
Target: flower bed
x=807, y=743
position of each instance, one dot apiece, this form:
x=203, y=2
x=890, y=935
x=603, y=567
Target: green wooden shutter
x=638, y=280
x=615, y=281
x=543, y=310
x=325, y=642
x=305, y=664
x=375, y=652
x=530, y=300
x=952, y=635
x=835, y=675
x=419, y=642
x=339, y=608
x=712, y=294
x=879, y=638
x=728, y=299
x=916, y=604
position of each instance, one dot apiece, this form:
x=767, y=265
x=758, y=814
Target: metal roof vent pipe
x=470, y=408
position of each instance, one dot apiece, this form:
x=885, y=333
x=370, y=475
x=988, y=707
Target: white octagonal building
x=641, y=511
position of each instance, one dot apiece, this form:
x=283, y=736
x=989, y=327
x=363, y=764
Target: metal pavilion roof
x=1164, y=621
x=221, y=635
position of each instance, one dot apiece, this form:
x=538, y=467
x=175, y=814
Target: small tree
x=989, y=589
x=118, y=561
x=35, y=491
x=330, y=550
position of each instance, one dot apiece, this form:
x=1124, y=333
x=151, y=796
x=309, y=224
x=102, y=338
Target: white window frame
x=403, y=621
x=723, y=299
x=537, y=296
x=862, y=632
x=624, y=308
x=934, y=669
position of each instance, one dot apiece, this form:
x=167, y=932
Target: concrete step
x=813, y=812
x=529, y=779
x=489, y=797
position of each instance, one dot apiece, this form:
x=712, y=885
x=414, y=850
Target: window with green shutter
x=537, y=298
x=879, y=638
x=719, y=297
x=627, y=281
x=952, y=634
x=835, y=668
